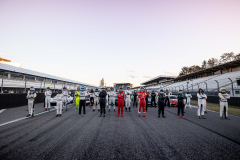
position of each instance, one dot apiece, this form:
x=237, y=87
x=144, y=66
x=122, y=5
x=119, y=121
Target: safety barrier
x=11, y=100
x=234, y=101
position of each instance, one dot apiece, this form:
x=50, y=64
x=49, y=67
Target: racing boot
x=122, y=116
x=221, y=117
x=203, y=117
x=114, y=110
x=100, y=115
x=28, y=115
x=45, y=109
x=57, y=115
x=125, y=109
x=199, y=117
x=104, y=115
x=183, y=117
x=60, y=115
x=163, y=116
x=178, y=116
x=129, y=109
x=144, y=116
x=139, y=115
x=109, y=110
x=118, y=115
x=227, y=118
x=158, y=116
x=93, y=110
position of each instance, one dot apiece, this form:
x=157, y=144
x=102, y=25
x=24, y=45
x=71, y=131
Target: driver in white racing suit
x=31, y=95
x=96, y=100
x=128, y=94
x=112, y=95
x=223, y=102
x=48, y=94
x=201, y=103
x=189, y=96
x=65, y=94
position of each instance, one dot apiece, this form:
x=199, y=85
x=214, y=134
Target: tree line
x=226, y=57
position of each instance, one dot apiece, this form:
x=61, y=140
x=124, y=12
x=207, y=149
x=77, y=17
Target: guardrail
x=234, y=101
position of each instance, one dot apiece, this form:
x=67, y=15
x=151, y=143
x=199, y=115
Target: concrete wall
x=18, y=99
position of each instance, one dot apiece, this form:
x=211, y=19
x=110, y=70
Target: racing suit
x=180, y=98
x=128, y=99
x=31, y=96
x=223, y=103
x=60, y=98
x=103, y=96
x=135, y=98
x=153, y=99
x=47, y=98
x=112, y=99
x=121, y=97
x=77, y=99
x=189, y=96
x=146, y=101
x=106, y=99
x=161, y=98
x=167, y=98
x=201, y=103
x=142, y=95
x=92, y=97
x=82, y=95
x=156, y=98
x=65, y=94
x=96, y=101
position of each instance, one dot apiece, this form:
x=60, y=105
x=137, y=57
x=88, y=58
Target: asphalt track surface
x=130, y=137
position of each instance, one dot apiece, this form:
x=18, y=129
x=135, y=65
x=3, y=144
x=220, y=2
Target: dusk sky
x=118, y=40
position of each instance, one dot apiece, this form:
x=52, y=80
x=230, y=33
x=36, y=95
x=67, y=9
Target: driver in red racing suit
x=142, y=95
x=121, y=96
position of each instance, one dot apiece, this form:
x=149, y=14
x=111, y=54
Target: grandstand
x=210, y=84
x=19, y=79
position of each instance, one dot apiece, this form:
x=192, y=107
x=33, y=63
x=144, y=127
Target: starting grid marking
x=19, y=119
x=2, y=110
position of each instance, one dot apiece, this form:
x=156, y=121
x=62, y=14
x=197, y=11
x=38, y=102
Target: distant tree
x=198, y=67
x=226, y=57
x=204, y=64
x=237, y=56
x=212, y=62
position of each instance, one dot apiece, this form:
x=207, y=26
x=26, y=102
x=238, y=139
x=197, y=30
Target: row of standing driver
x=31, y=95
x=61, y=98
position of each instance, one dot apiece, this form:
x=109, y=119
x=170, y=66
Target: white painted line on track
x=19, y=119
x=2, y=110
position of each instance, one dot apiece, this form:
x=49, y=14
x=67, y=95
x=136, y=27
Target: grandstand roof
x=158, y=78
x=232, y=64
x=27, y=72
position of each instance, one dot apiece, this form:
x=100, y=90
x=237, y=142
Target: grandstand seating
x=212, y=86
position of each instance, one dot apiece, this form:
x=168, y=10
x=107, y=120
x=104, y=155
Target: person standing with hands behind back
x=102, y=96
x=121, y=96
x=161, y=98
x=180, y=98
